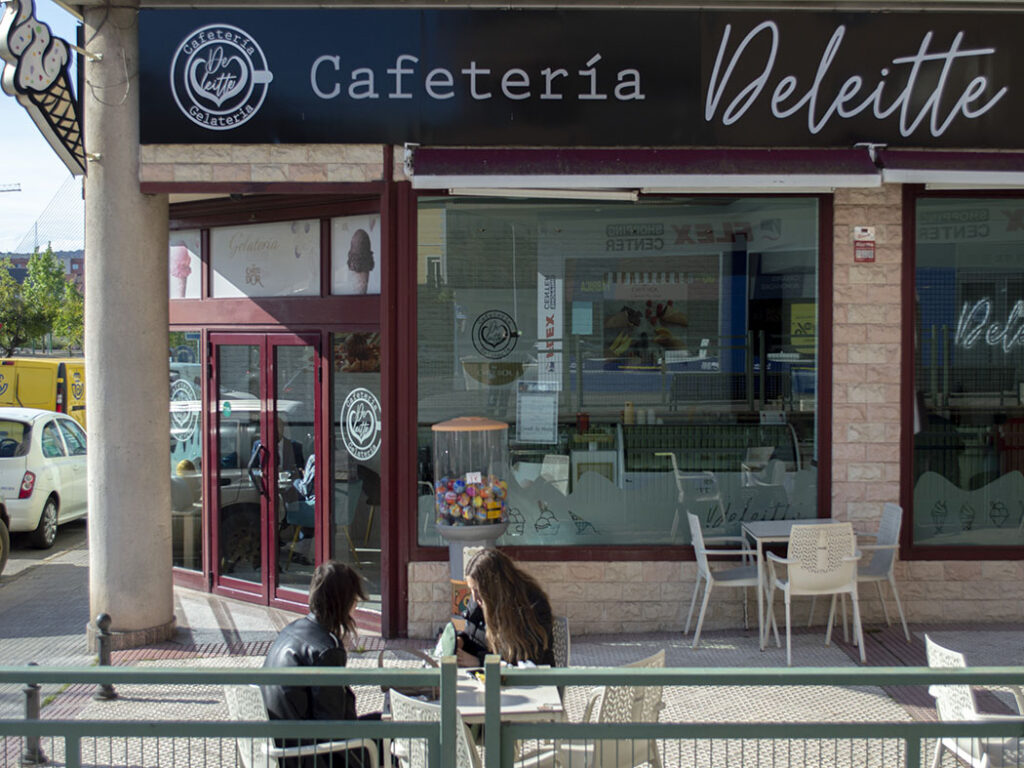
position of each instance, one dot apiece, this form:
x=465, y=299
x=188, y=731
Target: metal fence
x=141, y=742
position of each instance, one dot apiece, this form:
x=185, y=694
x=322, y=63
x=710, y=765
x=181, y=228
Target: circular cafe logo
x=495, y=334
x=184, y=410
x=219, y=77
x=360, y=424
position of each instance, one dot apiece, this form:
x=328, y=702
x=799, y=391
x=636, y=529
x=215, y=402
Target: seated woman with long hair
x=318, y=640
x=509, y=615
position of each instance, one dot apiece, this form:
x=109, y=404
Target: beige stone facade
x=600, y=596
x=263, y=163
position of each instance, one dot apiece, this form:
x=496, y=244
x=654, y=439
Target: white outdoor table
x=769, y=532
x=519, y=704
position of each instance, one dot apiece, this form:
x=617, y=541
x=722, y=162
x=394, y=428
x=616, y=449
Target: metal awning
x=624, y=172
x=952, y=170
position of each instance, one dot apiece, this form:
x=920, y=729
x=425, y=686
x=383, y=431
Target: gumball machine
x=471, y=471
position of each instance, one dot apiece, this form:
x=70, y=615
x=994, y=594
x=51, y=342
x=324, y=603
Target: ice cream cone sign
x=360, y=260
x=35, y=72
x=180, y=270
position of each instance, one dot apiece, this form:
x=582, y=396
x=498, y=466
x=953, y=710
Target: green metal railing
x=501, y=738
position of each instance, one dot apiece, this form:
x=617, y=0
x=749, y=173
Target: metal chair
x=820, y=560
x=740, y=576
x=619, y=704
x=245, y=702
x=956, y=703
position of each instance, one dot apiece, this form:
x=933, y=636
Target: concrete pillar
x=126, y=333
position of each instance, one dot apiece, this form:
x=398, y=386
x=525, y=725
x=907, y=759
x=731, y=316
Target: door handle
x=257, y=467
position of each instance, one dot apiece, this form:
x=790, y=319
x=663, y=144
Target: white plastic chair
x=555, y=469
x=619, y=704
x=413, y=753
x=245, y=702
x=882, y=565
x=820, y=560
x=955, y=703
x=739, y=576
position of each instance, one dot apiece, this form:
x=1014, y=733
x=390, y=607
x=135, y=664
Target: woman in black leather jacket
x=510, y=614
x=318, y=640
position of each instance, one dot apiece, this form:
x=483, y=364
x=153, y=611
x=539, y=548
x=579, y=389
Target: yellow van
x=53, y=384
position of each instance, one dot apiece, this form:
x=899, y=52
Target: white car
x=42, y=471
x=5, y=537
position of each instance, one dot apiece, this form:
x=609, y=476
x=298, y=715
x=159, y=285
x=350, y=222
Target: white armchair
x=820, y=560
x=956, y=703
x=737, y=576
x=245, y=702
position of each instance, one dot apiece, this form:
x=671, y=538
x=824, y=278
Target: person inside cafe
x=318, y=640
x=509, y=614
x=289, y=452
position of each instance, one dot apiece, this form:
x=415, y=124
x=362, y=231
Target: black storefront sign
x=582, y=78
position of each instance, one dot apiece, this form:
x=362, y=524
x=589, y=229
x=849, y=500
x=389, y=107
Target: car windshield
x=15, y=438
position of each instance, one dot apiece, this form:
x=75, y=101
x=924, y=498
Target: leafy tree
x=45, y=284
x=70, y=321
x=20, y=320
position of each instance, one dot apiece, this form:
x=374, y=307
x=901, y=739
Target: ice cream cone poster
x=185, y=265
x=355, y=255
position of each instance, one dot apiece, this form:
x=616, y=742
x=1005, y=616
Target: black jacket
x=474, y=636
x=304, y=643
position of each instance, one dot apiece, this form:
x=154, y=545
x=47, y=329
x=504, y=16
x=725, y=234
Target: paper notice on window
x=536, y=414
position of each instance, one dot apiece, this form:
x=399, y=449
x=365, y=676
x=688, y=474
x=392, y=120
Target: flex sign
x=580, y=77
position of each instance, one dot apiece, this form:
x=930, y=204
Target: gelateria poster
x=280, y=258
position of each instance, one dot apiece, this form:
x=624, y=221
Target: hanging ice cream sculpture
x=470, y=472
x=36, y=73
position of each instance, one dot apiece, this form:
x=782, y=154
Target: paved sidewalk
x=42, y=619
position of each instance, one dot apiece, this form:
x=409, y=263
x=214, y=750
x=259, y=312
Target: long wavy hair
x=513, y=631
x=333, y=592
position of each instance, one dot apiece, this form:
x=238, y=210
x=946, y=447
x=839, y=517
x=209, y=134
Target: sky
x=25, y=157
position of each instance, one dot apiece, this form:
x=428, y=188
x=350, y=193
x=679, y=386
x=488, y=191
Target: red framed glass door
x=265, y=509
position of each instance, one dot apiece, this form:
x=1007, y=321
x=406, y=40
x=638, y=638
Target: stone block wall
x=866, y=356
x=263, y=163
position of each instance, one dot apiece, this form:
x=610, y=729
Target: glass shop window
x=185, y=402
x=969, y=373
x=651, y=359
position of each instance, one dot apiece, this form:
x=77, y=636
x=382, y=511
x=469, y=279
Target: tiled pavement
x=42, y=619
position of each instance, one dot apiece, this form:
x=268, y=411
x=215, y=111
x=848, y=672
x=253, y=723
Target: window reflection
x=969, y=374
x=186, y=451
x=626, y=345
